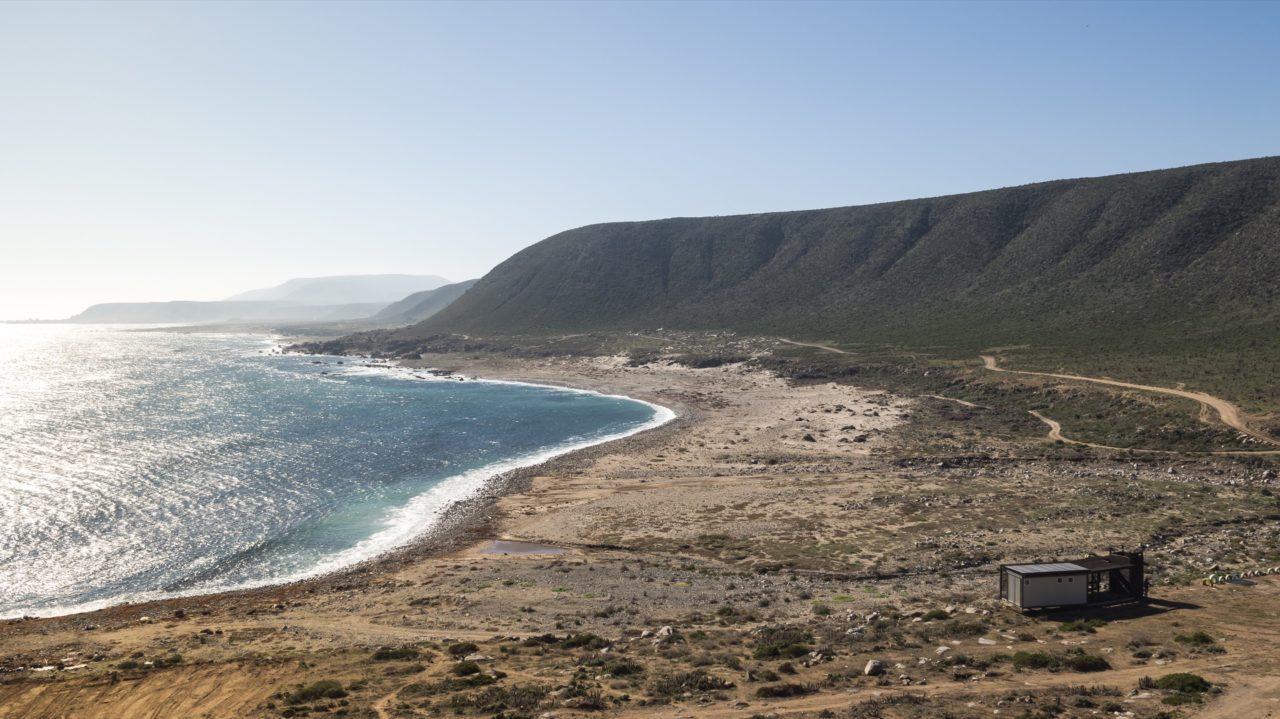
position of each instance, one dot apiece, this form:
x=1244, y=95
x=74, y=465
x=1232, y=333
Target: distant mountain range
x=313, y=299
x=1164, y=251
x=209, y=312
x=421, y=305
x=343, y=289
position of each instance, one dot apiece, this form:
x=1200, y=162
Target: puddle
x=505, y=546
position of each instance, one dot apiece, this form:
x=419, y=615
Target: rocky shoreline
x=462, y=524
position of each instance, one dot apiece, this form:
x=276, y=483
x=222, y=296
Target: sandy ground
x=763, y=505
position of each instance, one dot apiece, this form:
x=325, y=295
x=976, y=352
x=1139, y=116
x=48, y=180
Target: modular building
x=1116, y=577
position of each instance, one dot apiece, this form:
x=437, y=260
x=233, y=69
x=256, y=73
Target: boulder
x=874, y=668
x=665, y=634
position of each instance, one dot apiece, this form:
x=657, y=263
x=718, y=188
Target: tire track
x=1228, y=413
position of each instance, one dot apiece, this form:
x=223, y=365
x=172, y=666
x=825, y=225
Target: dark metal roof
x=1049, y=568
x=1088, y=564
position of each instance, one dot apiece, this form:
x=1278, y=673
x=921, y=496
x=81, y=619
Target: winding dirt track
x=1230, y=414
x=810, y=344
x=1055, y=434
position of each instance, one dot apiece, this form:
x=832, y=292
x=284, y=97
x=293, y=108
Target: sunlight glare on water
x=142, y=464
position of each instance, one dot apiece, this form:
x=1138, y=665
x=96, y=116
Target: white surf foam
x=417, y=517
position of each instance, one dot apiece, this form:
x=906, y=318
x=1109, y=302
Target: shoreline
x=764, y=505
x=452, y=530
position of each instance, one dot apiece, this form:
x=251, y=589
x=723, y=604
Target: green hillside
x=1144, y=254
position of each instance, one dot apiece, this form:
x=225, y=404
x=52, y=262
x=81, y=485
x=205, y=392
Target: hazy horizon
x=193, y=151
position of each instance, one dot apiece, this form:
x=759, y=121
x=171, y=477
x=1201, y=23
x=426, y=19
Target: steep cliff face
x=1193, y=246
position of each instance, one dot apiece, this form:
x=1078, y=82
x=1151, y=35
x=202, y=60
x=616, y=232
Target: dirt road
x=810, y=344
x=1227, y=412
x=1230, y=414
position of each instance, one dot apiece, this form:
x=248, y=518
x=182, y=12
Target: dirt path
x=1249, y=697
x=810, y=344
x=1230, y=414
x=1227, y=412
x=380, y=707
x=957, y=401
x=1055, y=433
x=1055, y=430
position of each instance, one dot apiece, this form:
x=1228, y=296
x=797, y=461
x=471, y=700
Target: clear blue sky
x=158, y=151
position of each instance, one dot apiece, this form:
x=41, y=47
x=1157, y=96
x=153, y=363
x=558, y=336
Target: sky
x=157, y=151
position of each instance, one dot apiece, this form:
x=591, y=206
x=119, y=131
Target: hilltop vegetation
x=1164, y=277
x=1094, y=260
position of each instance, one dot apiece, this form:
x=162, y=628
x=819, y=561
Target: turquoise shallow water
x=142, y=464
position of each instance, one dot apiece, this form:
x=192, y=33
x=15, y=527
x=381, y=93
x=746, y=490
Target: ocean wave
x=400, y=525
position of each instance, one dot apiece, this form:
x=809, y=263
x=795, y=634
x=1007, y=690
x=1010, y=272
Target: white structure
x=1031, y=586
x=1119, y=576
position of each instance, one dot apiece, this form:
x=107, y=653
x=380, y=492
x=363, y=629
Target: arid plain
x=793, y=544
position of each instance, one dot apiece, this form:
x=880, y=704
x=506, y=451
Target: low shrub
x=464, y=669
x=622, y=667
x=447, y=685
x=703, y=361
x=327, y=689
x=696, y=681
x=1195, y=639
x=779, y=650
x=172, y=660
x=498, y=699
x=462, y=649
x=784, y=691
x=386, y=654
x=399, y=670
x=1139, y=641
x=1086, y=663
x=782, y=643
x=964, y=660
x=590, y=699
x=763, y=674
x=1035, y=660
x=957, y=628
x=1183, y=682
x=1085, y=626
x=590, y=641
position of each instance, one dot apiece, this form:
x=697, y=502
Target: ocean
x=138, y=465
